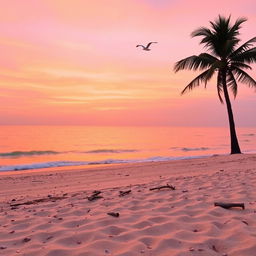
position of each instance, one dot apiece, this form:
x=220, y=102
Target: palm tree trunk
x=235, y=149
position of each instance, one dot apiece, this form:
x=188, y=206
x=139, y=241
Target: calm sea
x=36, y=147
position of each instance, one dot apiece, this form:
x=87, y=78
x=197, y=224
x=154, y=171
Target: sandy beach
x=156, y=209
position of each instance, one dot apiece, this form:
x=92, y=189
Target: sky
x=75, y=62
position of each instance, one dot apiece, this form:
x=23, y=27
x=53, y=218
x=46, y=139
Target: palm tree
x=225, y=59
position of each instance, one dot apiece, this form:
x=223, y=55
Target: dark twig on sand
x=96, y=192
x=26, y=239
x=214, y=248
x=245, y=222
x=41, y=200
x=161, y=187
x=229, y=205
x=123, y=193
x=94, y=196
x=114, y=214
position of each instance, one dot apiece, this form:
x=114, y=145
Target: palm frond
x=202, y=31
x=229, y=46
x=208, y=57
x=243, y=47
x=238, y=64
x=248, y=56
x=207, y=37
x=231, y=35
x=235, y=29
x=203, y=77
x=231, y=83
x=210, y=72
x=202, y=61
x=220, y=25
x=243, y=77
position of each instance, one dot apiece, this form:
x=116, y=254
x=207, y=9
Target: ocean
x=60, y=147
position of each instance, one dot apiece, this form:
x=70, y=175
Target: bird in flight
x=146, y=48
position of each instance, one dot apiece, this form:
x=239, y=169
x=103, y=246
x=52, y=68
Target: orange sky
x=75, y=62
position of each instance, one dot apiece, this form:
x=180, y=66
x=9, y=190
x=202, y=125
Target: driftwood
x=41, y=200
x=229, y=205
x=245, y=222
x=94, y=196
x=161, y=187
x=114, y=214
x=123, y=193
x=26, y=239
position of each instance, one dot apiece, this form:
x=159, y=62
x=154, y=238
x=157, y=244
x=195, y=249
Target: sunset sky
x=76, y=62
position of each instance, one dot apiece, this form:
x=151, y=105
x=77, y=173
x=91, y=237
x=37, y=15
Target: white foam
x=80, y=163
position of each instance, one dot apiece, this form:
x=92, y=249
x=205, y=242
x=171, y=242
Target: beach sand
x=48, y=212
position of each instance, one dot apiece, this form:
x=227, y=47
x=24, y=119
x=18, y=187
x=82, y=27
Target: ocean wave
x=31, y=166
x=191, y=149
x=99, y=151
x=27, y=153
x=16, y=154
x=195, y=149
x=40, y=165
x=56, y=164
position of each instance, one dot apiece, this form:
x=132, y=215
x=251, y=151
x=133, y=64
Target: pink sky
x=75, y=62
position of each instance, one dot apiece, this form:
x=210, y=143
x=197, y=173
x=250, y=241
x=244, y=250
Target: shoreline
x=108, y=176
x=60, y=220
x=65, y=165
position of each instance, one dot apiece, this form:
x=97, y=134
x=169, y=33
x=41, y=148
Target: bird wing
x=150, y=44
x=140, y=45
